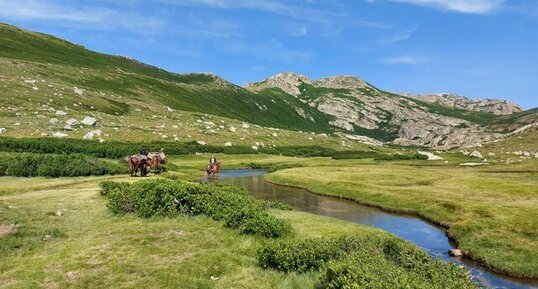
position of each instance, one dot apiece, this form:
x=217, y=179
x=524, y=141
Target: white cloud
x=91, y=17
x=462, y=6
x=404, y=35
x=401, y=60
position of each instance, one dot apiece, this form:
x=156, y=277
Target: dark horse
x=212, y=171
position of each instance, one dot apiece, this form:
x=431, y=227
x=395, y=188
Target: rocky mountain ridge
x=358, y=108
x=495, y=106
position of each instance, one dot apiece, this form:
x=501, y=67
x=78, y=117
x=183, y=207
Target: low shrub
x=164, y=197
x=374, y=269
x=273, y=167
x=366, y=262
x=119, y=149
x=396, y=157
x=51, y=165
x=305, y=255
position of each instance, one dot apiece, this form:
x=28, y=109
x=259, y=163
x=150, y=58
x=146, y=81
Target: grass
x=491, y=212
x=89, y=247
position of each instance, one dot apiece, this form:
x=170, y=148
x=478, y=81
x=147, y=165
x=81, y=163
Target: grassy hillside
x=117, y=85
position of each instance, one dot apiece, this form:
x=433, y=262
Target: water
x=429, y=237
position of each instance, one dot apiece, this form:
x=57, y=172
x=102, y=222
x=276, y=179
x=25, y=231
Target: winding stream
x=429, y=237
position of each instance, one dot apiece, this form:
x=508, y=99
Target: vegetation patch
x=398, y=157
x=367, y=262
x=53, y=165
x=164, y=197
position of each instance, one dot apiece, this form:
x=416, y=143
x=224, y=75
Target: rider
x=212, y=162
x=144, y=159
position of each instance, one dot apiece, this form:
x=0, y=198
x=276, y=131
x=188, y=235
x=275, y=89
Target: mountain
x=49, y=85
x=495, y=106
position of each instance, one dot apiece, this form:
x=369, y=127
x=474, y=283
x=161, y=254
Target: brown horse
x=135, y=164
x=212, y=171
x=156, y=162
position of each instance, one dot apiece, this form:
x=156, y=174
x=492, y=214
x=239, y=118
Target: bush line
x=164, y=197
x=52, y=165
x=366, y=262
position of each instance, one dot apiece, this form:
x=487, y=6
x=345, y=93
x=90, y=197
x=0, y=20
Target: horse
x=135, y=164
x=212, y=171
x=156, y=162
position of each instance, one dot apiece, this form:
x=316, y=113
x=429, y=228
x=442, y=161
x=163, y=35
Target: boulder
x=526, y=154
x=59, y=134
x=61, y=112
x=431, y=156
x=89, y=121
x=228, y=144
x=255, y=148
x=91, y=134
x=455, y=253
x=536, y=155
x=201, y=142
x=78, y=91
x=232, y=129
x=72, y=121
x=476, y=154
x=68, y=127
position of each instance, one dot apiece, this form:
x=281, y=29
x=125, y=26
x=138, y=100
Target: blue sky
x=476, y=48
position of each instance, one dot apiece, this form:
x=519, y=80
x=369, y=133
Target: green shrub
x=373, y=270
x=395, y=157
x=49, y=165
x=305, y=255
x=118, y=149
x=367, y=262
x=164, y=197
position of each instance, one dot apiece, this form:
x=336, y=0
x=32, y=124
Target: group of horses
x=156, y=160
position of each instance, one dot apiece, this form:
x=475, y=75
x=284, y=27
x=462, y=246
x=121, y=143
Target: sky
x=475, y=48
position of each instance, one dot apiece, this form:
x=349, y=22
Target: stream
x=427, y=236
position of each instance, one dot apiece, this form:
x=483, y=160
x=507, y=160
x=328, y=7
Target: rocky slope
x=48, y=82
x=358, y=108
x=495, y=106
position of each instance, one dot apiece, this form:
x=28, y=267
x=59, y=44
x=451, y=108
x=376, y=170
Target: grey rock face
x=495, y=106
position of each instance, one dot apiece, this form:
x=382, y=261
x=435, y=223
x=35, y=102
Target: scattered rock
x=491, y=154
x=54, y=121
x=72, y=121
x=78, y=91
x=91, y=134
x=213, y=278
x=476, y=154
x=59, y=134
x=536, y=155
x=59, y=213
x=201, y=142
x=233, y=129
x=364, y=139
x=245, y=125
x=526, y=154
x=228, y=144
x=431, y=156
x=47, y=238
x=169, y=109
x=255, y=148
x=7, y=229
x=275, y=134
x=473, y=164
x=89, y=121
x=68, y=127
x=455, y=253
x=2, y=130
x=61, y=112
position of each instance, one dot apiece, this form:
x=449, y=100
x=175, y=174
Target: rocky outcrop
x=357, y=108
x=495, y=106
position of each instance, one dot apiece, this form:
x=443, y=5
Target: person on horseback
x=144, y=159
x=212, y=162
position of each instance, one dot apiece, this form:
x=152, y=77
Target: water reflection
x=425, y=235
